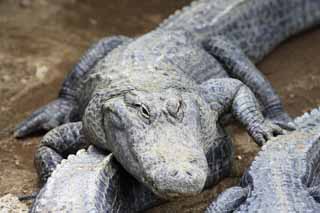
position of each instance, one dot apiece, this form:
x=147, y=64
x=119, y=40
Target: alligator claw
x=31, y=196
x=283, y=120
x=284, y=125
x=264, y=131
x=45, y=118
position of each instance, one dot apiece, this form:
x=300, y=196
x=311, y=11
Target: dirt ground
x=40, y=40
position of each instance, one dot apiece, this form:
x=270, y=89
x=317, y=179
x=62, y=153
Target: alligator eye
x=145, y=111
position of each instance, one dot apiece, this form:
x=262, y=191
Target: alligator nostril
x=189, y=173
x=174, y=107
x=193, y=161
x=174, y=173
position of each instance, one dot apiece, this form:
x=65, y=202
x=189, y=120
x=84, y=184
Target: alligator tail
x=256, y=26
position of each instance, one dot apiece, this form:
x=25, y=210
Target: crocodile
x=284, y=177
x=159, y=102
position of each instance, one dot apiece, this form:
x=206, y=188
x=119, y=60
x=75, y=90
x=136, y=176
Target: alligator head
x=157, y=138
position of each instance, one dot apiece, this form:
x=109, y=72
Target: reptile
x=159, y=102
x=92, y=181
x=284, y=177
x=107, y=187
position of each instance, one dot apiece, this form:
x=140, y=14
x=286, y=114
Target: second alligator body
x=284, y=177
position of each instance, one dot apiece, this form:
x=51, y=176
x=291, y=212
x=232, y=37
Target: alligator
x=284, y=177
x=159, y=102
x=92, y=181
x=107, y=187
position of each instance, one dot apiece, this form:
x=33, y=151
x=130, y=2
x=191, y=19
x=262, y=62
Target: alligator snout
x=173, y=166
x=179, y=178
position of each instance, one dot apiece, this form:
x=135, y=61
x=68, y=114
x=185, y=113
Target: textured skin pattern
x=91, y=182
x=240, y=67
x=56, y=145
x=85, y=194
x=284, y=177
x=254, y=25
x=87, y=62
x=147, y=99
x=237, y=98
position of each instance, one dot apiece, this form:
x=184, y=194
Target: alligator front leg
x=229, y=200
x=239, y=66
x=232, y=198
x=64, y=108
x=230, y=95
x=56, y=145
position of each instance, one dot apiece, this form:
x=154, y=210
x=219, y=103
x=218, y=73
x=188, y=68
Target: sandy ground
x=40, y=40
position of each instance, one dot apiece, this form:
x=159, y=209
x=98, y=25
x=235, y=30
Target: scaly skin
x=90, y=181
x=284, y=177
x=286, y=185
x=150, y=99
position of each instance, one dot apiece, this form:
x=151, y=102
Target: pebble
x=93, y=21
x=6, y=78
x=23, y=81
x=238, y=157
x=17, y=163
x=292, y=95
x=25, y=3
x=41, y=72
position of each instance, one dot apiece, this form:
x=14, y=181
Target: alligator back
x=79, y=184
x=257, y=26
x=90, y=181
x=285, y=168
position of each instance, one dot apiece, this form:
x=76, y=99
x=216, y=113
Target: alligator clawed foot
x=283, y=120
x=229, y=200
x=45, y=118
x=31, y=196
x=262, y=132
x=286, y=126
